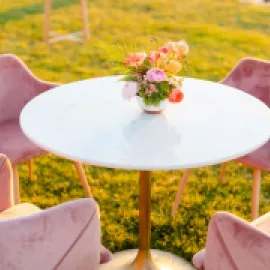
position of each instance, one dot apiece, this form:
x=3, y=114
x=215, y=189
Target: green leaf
x=128, y=78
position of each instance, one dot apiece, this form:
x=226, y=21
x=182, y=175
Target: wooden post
x=84, y=12
x=82, y=176
x=47, y=19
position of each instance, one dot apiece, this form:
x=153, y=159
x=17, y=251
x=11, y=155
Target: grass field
x=219, y=34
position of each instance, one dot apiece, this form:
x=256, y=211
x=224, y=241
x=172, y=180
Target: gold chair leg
x=81, y=173
x=47, y=19
x=30, y=169
x=16, y=184
x=255, y=202
x=180, y=191
x=222, y=171
x=84, y=12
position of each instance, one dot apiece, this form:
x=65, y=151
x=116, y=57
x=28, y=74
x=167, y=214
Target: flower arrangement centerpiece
x=153, y=77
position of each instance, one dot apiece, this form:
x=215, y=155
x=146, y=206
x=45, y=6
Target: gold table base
x=145, y=259
x=124, y=260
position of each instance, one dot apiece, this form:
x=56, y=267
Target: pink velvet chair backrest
x=63, y=237
x=233, y=243
x=6, y=183
x=251, y=76
x=18, y=85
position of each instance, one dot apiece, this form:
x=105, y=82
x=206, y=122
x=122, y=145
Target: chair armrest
x=49, y=239
x=233, y=243
x=6, y=183
x=44, y=86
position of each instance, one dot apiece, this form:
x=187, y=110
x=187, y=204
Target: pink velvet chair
x=234, y=244
x=66, y=236
x=251, y=76
x=18, y=85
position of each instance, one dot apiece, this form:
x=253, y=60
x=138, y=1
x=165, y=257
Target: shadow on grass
x=19, y=13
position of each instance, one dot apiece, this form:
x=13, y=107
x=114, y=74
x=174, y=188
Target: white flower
x=130, y=90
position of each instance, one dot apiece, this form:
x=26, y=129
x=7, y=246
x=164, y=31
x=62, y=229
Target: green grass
x=219, y=34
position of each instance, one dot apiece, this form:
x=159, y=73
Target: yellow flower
x=173, y=67
x=162, y=61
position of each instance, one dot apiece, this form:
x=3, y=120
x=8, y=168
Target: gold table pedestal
x=124, y=260
x=145, y=259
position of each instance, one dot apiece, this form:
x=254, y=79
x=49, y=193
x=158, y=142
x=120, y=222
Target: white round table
x=90, y=122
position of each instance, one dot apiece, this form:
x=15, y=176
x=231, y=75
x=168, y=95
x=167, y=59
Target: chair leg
x=16, y=185
x=222, y=172
x=84, y=12
x=47, y=19
x=255, y=203
x=30, y=169
x=81, y=173
x=180, y=191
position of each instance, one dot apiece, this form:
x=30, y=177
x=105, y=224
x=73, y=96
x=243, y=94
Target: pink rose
x=169, y=47
x=164, y=49
x=156, y=75
x=130, y=90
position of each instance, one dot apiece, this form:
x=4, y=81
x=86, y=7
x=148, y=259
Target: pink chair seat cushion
x=19, y=210
x=15, y=144
x=259, y=158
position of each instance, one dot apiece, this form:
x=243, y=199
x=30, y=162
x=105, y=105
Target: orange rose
x=135, y=59
x=176, y=96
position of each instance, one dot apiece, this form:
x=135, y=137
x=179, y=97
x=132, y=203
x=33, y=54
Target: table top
x=89, y=121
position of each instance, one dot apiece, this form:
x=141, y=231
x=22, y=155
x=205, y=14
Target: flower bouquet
x=153, y=77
